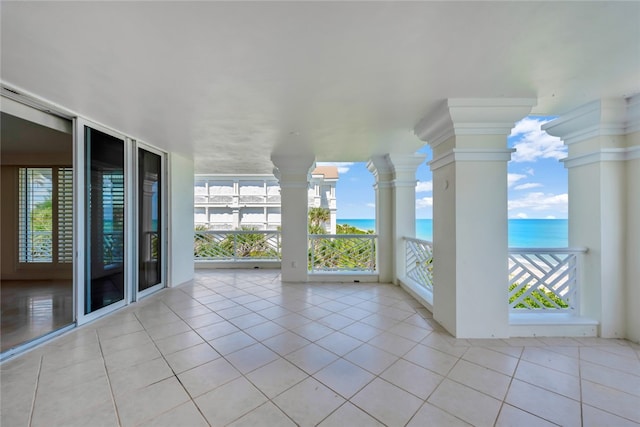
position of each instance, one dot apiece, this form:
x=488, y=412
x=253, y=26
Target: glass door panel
x=105, y=220
x=150, y=238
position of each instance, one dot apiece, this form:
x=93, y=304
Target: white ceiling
x=228, y=81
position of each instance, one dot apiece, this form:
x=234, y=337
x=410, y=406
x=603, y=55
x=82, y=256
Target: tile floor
x=240, y=348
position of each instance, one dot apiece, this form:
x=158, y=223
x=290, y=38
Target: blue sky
x=537, y=179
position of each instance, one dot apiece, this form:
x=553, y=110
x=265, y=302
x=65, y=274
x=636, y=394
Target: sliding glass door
x=105, y=223
x=150, y=195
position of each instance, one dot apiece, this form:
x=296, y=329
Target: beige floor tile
x=123, y=342
x=191, y=357
x=387, y=403
x=60, y=358
x=593, y=417
x=555, y=381
x=429, y=415
x=53, y=407
x=265, y=330
x=248, y=320
x=142, y=375
x=392, y=343
x=131, y=357
x=292, y=321
x=551, y=359
x=610, y=378
x=217, y=330
x=629, y=363
x=350, y=415
x=611, y=400
x=311, y=358
x=208, y=376
x=544, y=404
x=178, y=342
x=232, y=342
x=344, y=377
x=339, y=343
x=379, y=321
x=308, y=402
x=431, y=359
x=470, y=405
x=112, y=330
x=60, y=379
x=313, y=331
x=412, y=378
x=514, y=417
x=232, y=312
x=151, y=401
x=205, y=319
x=167, y=329
x=371, y=358
x=361, y=331
x=101, y=415
x=445, y=344
x=286, y=342
x=252, y=357
x=229, y=402
x=336, y=321
x=267, y=415
x=411, y=332
x=491, y=359
x=276, y=377
x=185, y=415
x=480, y=378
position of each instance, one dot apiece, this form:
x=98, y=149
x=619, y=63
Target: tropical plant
x=318, y=217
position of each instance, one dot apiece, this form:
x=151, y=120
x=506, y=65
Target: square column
x=603, y=138
x=381, y=170
x=470, y=236
x=293, y=174
x=395, y=210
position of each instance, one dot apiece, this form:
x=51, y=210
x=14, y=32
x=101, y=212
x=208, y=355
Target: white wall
x=181, y=236
x=633, y=243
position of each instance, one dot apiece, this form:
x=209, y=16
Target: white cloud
x=371, y=205
x=424, y=202
x=527, y=186
x=550, y=217
x=343, y=167
x=534, y=143
x=512, y=178
x=424, y=187
x=522, y=215
x=539, y=201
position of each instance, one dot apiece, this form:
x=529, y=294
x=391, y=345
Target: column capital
x=471, y=155
x=292, y=170
x=381, y=170
x=472, y=116
x=602, y=117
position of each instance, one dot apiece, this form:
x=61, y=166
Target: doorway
x=36, y=279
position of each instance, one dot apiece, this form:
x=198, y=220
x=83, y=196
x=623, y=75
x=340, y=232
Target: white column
x=403, y=206
x=470, y=155
x=381, y=170
x=293, y=174
x=603, y=138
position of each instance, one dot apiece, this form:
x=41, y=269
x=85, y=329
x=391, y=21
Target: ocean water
x=523, y=233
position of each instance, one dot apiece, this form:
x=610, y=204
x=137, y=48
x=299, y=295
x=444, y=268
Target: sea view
x=523, y=233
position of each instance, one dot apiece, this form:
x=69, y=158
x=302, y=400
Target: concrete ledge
x=241, y=264
x=551, y=325
x=343, y=277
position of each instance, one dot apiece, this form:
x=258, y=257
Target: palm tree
x=318, y=217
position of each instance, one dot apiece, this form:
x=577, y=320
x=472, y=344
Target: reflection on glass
x=104, y=284
x=149, y=220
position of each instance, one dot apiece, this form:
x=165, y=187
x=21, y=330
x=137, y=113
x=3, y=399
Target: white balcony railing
x=544, y=280
x=419, y=262
x=237, y=245
x=342, y=252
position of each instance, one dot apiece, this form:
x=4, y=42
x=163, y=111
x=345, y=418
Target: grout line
x=35, y=391
x=106, y=372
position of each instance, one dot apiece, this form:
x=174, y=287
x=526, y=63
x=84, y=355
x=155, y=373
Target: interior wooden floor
x=31, y=309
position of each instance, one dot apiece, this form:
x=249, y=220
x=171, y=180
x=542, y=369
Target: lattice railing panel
x=342, y=252
x=237, y=245
x=419, y=262
x=543, y=279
